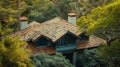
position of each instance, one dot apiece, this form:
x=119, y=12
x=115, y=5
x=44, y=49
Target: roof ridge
x=33, y=23
x=49, y=20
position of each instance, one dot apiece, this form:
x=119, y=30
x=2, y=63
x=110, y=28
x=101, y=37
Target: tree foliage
x=110, y=55
x=12, y=53
x=84, y=7
x=80, y=7
x=63, y=7
x=105, y=19
x=42, y=10
x=87, y=58
x=9, y=11
x=44, y=60
x=101, y=18
x=4, y=30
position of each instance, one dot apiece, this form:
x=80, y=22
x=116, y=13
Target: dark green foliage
x=42, y=10
x=63, y=7
x=110, y=55
x=44, y=60
x=88, y=58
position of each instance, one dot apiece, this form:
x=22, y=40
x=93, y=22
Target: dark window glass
x=67, y=39
x=42, y=41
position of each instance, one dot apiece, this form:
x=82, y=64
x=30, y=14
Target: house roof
x=53, y=29
x=92, y=42
x=34, y=23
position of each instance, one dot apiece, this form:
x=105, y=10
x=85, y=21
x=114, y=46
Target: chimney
x=24, y=22
x=72, y=18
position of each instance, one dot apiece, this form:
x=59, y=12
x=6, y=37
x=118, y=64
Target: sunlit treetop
x=102, y=17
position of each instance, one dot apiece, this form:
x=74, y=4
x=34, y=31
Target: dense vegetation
x=44, y=60
x=98, y=17
x=12, y=53
x=110, y=55
x=104, y=21
x=88, y=58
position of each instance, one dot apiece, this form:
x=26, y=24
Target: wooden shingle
x=53, y=29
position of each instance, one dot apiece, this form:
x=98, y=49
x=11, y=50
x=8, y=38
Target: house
x=56, y=35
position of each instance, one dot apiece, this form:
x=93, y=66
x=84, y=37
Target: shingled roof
x=93, y=42
x=53, y=29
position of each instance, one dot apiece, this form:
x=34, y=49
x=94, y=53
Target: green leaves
x=101, y=18
x=42, y=10
x=88, y=58
x=12, y=52
x=5, y=30
x=44, y=60
x=110, y=53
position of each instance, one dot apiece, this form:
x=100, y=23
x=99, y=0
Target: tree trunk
x=19, y=15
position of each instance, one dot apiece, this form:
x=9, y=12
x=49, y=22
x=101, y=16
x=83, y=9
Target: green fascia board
x=65, y=48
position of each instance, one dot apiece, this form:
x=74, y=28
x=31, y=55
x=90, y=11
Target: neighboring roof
x=93, y=42
x=53, y=29
x=23, y=18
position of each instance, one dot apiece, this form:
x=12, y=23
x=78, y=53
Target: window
x=67, y=39
x=42, y=41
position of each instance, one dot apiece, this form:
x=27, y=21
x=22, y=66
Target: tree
x=9, y=11
x=101, y=17
x=4, y=31
x=44, y=60
x=103, y=20
x=110, y=55
x=88, y=58
x=12, y=53
x=80, y=7
x=84, y=7
x=63, y=7
x=42, y=10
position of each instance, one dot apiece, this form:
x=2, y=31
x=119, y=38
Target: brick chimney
x=72, y=18
x=24, y=22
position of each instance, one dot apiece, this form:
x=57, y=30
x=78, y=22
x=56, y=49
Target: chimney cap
x=23, y=18
x=71, y=14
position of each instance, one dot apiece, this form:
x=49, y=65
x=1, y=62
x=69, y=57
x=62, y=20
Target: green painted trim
x=66, y=48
